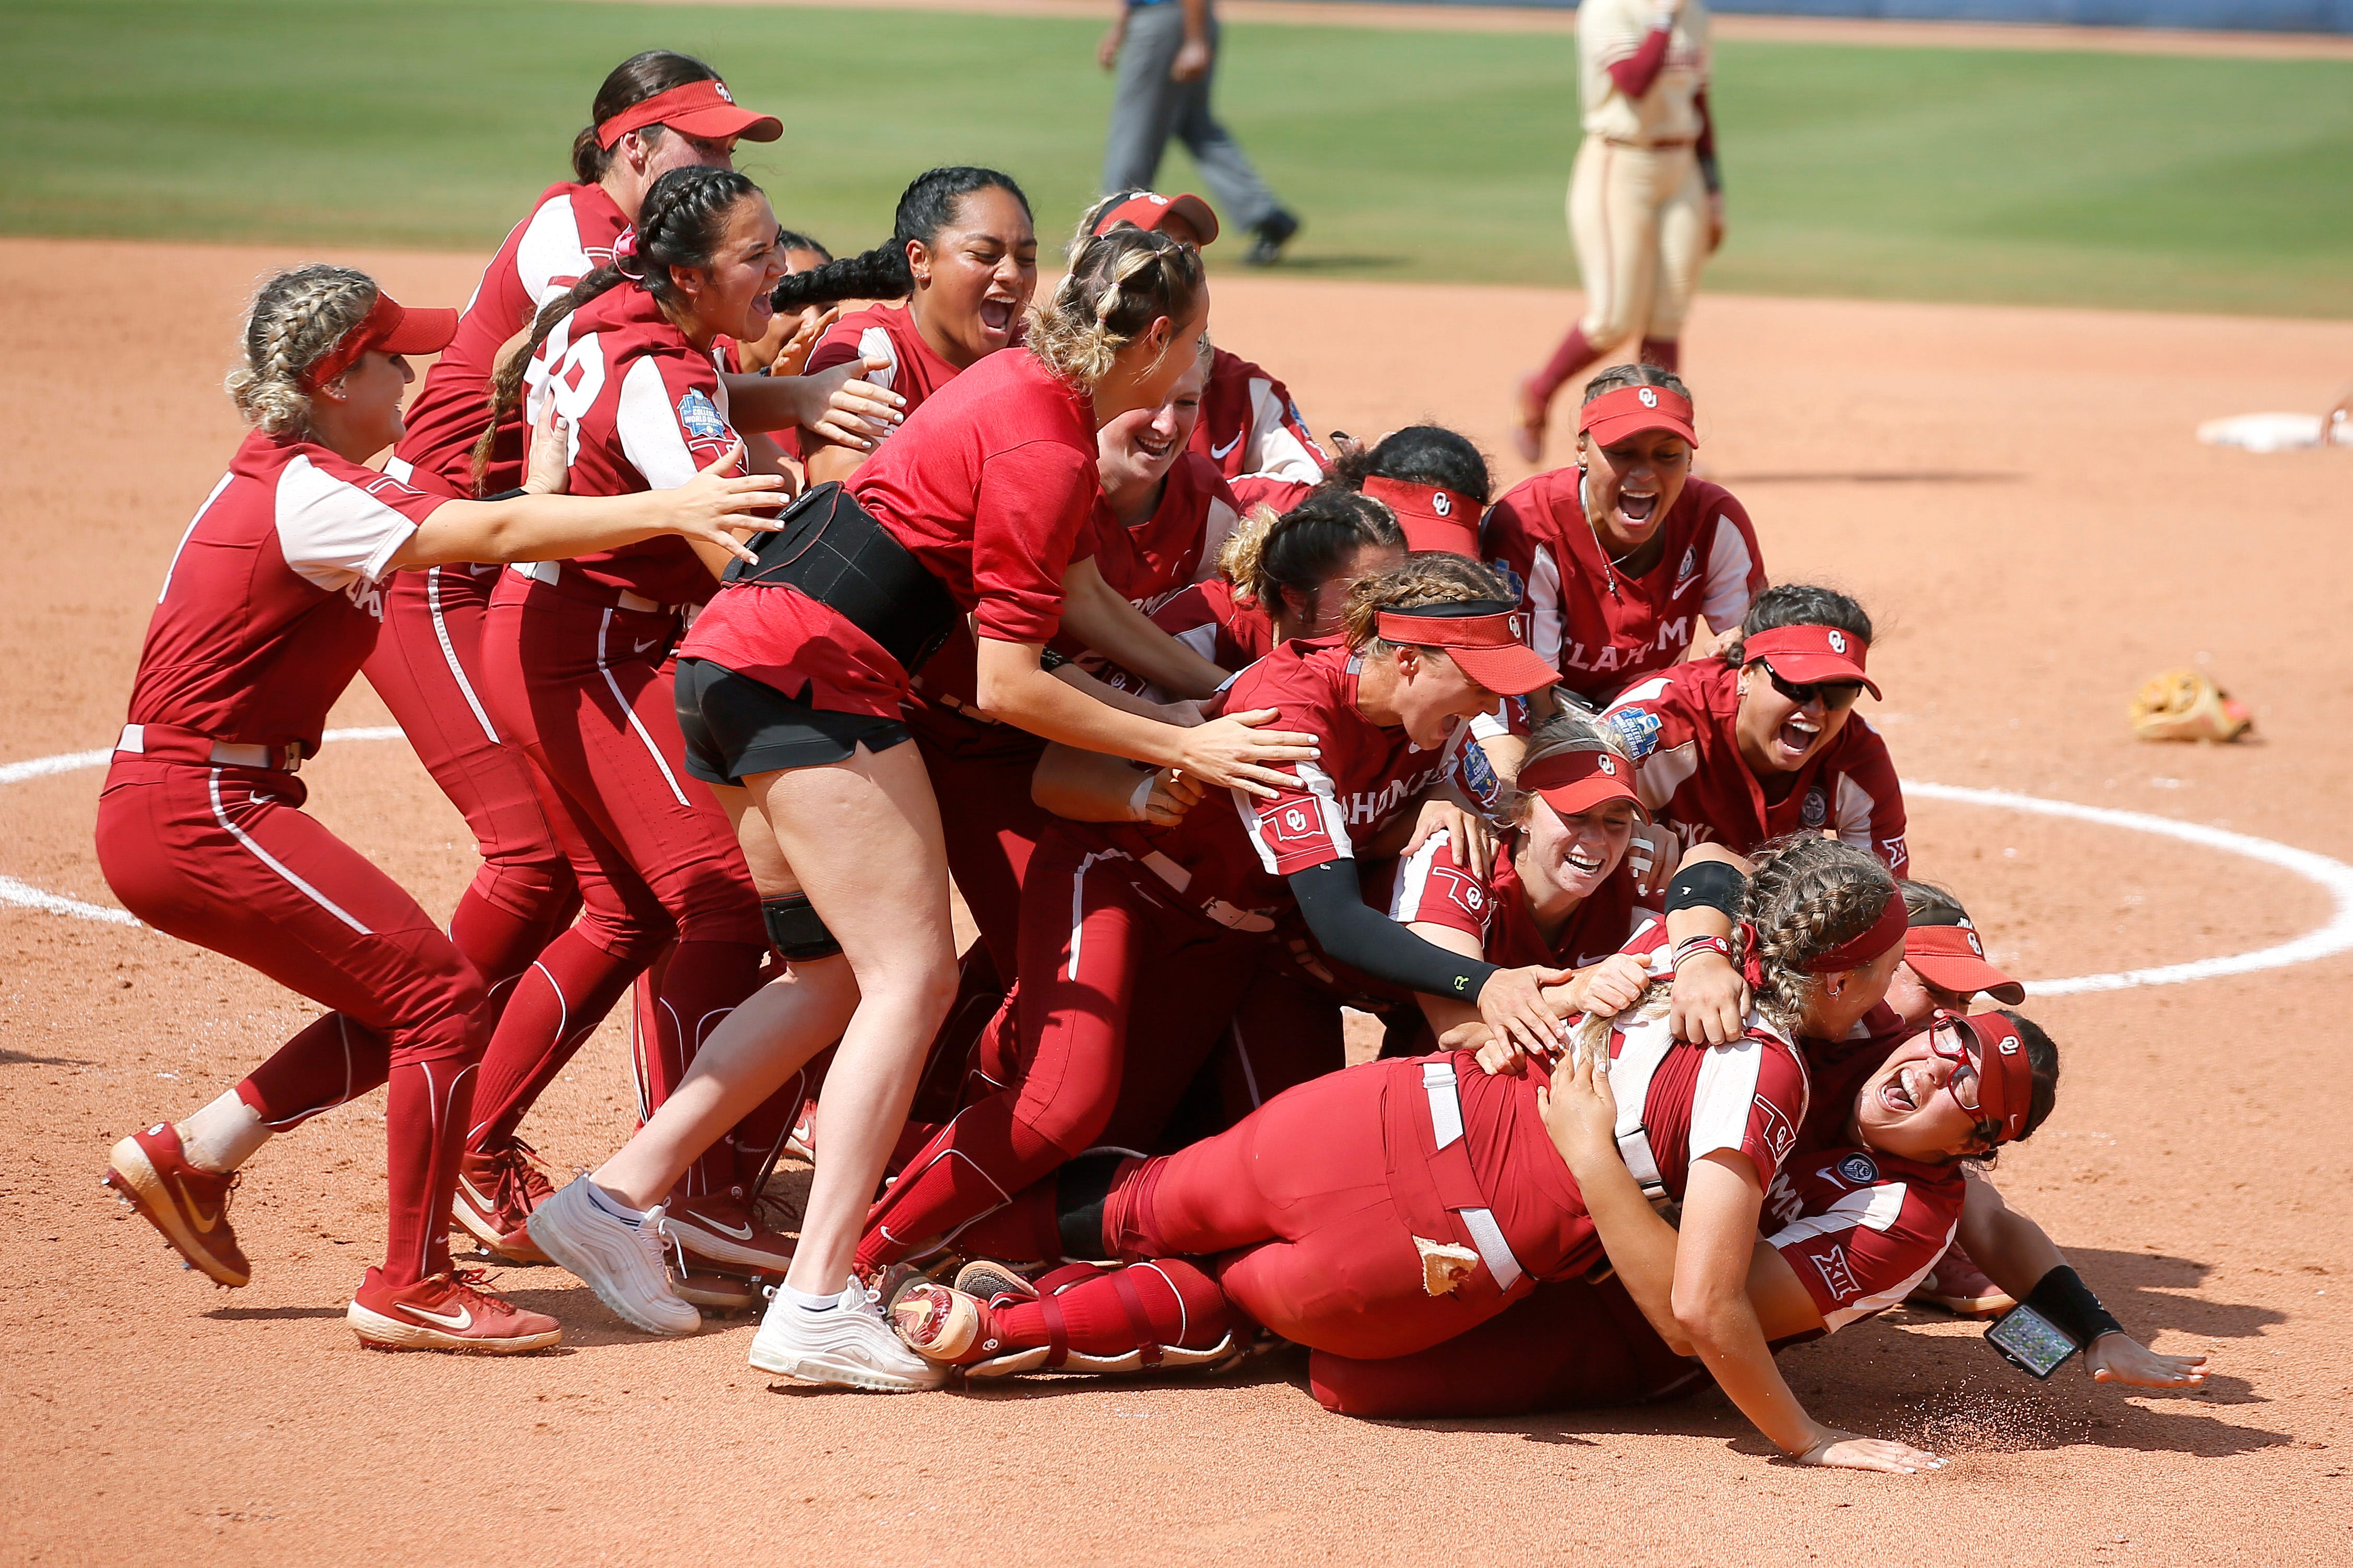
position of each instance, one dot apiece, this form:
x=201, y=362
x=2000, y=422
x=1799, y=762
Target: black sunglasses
x=1836, y=696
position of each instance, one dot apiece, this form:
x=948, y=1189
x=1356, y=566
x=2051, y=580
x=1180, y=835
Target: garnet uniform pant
x=225, y=858
x=582, y=685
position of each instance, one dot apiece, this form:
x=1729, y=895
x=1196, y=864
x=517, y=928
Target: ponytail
x=1281, y=562
x=928, y=205
x=1118, y=284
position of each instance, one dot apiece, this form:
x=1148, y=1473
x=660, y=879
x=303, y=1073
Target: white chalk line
x=2333, y=877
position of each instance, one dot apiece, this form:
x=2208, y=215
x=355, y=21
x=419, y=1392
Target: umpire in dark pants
x=1165, y=52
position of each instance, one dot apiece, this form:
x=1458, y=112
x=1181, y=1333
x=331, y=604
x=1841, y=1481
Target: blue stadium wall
x=2247, y=15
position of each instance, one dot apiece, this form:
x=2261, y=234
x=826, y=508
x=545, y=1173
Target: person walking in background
x=1166, y=52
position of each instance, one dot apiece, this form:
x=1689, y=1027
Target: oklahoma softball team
x=1194, y=711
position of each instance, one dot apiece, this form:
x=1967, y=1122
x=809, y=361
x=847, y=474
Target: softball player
x=1645, y=202
x=1761, y=738
x=270, y=603
x=793, y=680
x=1622, y=559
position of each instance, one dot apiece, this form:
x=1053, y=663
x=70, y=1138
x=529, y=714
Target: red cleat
x=497, y=1190
x=1959, y=1286
x=445, y=1312
x=720, y=1229
x=945, y=1326
x=190, y=1206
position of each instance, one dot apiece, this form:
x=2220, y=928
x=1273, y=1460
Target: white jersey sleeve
x=332, y=533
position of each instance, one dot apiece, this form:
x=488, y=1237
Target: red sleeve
x=1302, y=826
x=1637, y=71
x=1868, y=1234
x=1431, y=889
x=1034, y=503
x=839, y=346
x=1263, y=489
x=1867, y=806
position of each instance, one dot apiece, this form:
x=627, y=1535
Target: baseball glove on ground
x=2183, y=705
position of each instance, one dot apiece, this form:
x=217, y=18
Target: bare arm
x=837, y=403
x=1095, y=613
x=1088, y=786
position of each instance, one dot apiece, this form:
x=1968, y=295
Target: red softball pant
x=225, y=858
x=582, y=684
x=1116, y=974
x=427, y=668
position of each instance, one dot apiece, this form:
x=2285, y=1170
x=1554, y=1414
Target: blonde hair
x=1426, y=577
x=1118, y=284
x=1807, y=895
x=296, y=317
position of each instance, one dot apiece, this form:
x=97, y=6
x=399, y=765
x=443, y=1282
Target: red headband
x=1631, y=410
x=1574, y=782
x=1884, y=932
x=388, y=326
x=1804, y=655
x=704, y=108
x=1483, y=637
x=1433, y=517
x=2005, y=1076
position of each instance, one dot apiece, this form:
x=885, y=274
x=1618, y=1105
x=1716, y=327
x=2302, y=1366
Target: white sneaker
x=850, y=1347
x=621, y=1262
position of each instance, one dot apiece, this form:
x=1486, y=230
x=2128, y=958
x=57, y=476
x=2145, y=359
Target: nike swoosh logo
x=204, y=1222
x=459, y=1321
x=474, y=1195
x=647, y=644
x=743, y=1235
x=1217, y=454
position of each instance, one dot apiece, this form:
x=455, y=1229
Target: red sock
x=975, y=1165
x=557, y=1004
x=1166, y=1303
x=700, y=985
x=1573, y=355
x=499, y=943
x=424, y=1131
x=333, y=1060
x=1667, y=353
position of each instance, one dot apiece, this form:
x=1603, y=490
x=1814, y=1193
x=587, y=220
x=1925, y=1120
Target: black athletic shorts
x=736, y=726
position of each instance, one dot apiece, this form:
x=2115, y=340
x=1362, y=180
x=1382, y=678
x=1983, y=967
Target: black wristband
x=2063, y=1298
x=1710, y=884
x=515, y=494
x=1710, y=175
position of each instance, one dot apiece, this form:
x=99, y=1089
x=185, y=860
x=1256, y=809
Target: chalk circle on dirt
x=2333, y=877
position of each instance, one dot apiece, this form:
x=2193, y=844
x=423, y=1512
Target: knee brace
x=795, y=929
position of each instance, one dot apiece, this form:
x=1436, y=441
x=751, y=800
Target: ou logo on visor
x=1648, y=398
x=1608, y=767
x=1442, y=503
x=1837, y=641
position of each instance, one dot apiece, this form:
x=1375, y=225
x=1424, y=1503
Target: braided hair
x=933, y=202
x=1426, y=577
x=680, y=223
x=296, y=316
x=1118, y=284
x=1807, y=895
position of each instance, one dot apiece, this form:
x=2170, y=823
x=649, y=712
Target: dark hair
x=678, y=224
x=2043, y=1055
x=925, y=207
x=1624, y=375
x=1281, y=561
x=1425, y=577
x=1926, y=905
x=1420, y=455
x=630, y=83
x=794, y=239
x=1797, y=605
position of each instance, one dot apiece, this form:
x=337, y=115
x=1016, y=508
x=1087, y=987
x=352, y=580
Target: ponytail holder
x=1752, y=968
x=625, y=253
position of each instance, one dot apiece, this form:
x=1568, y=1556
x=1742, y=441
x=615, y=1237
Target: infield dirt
x=2016, y=496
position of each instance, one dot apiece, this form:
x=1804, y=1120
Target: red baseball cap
x=704, y=109
x=1433, y=517
x=1486, y=636
x=1803, y=656
x=1574, y=781
x=1952, y=958
x=1149, y=209
x=1629, y=410
x=2005, y=1077
x=388, y=326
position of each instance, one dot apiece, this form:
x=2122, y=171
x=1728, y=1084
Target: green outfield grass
x=1919, y=174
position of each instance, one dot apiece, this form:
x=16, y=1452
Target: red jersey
x=1678, y=728
x=1860, y=1228
x=1213, y=620
x=1328, y=809
x=648, y=410
x=1598, y=625
x=1249, y=427
x=569, y=235
x=1177, y=545
x=887, y=333
x=1431, y=888
x=273, y=598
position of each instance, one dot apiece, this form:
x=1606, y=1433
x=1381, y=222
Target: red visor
x=1952, y=958
x=1574, y=783
x=1433, y=517
x=1150, y=210
x=704, y=109
x=1803, y=656
x=2005, y=1077
x=1887, y=931
x=1482, y=636
x=388, y=326
x=1630, y=410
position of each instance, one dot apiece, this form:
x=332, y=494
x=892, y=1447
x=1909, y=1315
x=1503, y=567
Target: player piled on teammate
x=1432, y=478
x=1761, y=738
x=270, y=605
x=1249, y=427
x=1645, y=203
x=1624, y=561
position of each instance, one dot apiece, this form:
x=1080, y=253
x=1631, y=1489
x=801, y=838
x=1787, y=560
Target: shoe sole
x=572, y=1262
x=989, y=1280
x=130, y=1172
x=378, y=1332
x=824, y=1370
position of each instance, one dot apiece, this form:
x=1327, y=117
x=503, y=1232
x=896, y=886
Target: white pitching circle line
x=2333, y=877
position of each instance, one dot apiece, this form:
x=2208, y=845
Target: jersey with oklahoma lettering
x=1601, y=626
x=648, y=411
x=273, y=598
x=1860, y=1228
x=1252, y=430
x=569, y=235
x=1678, y=728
